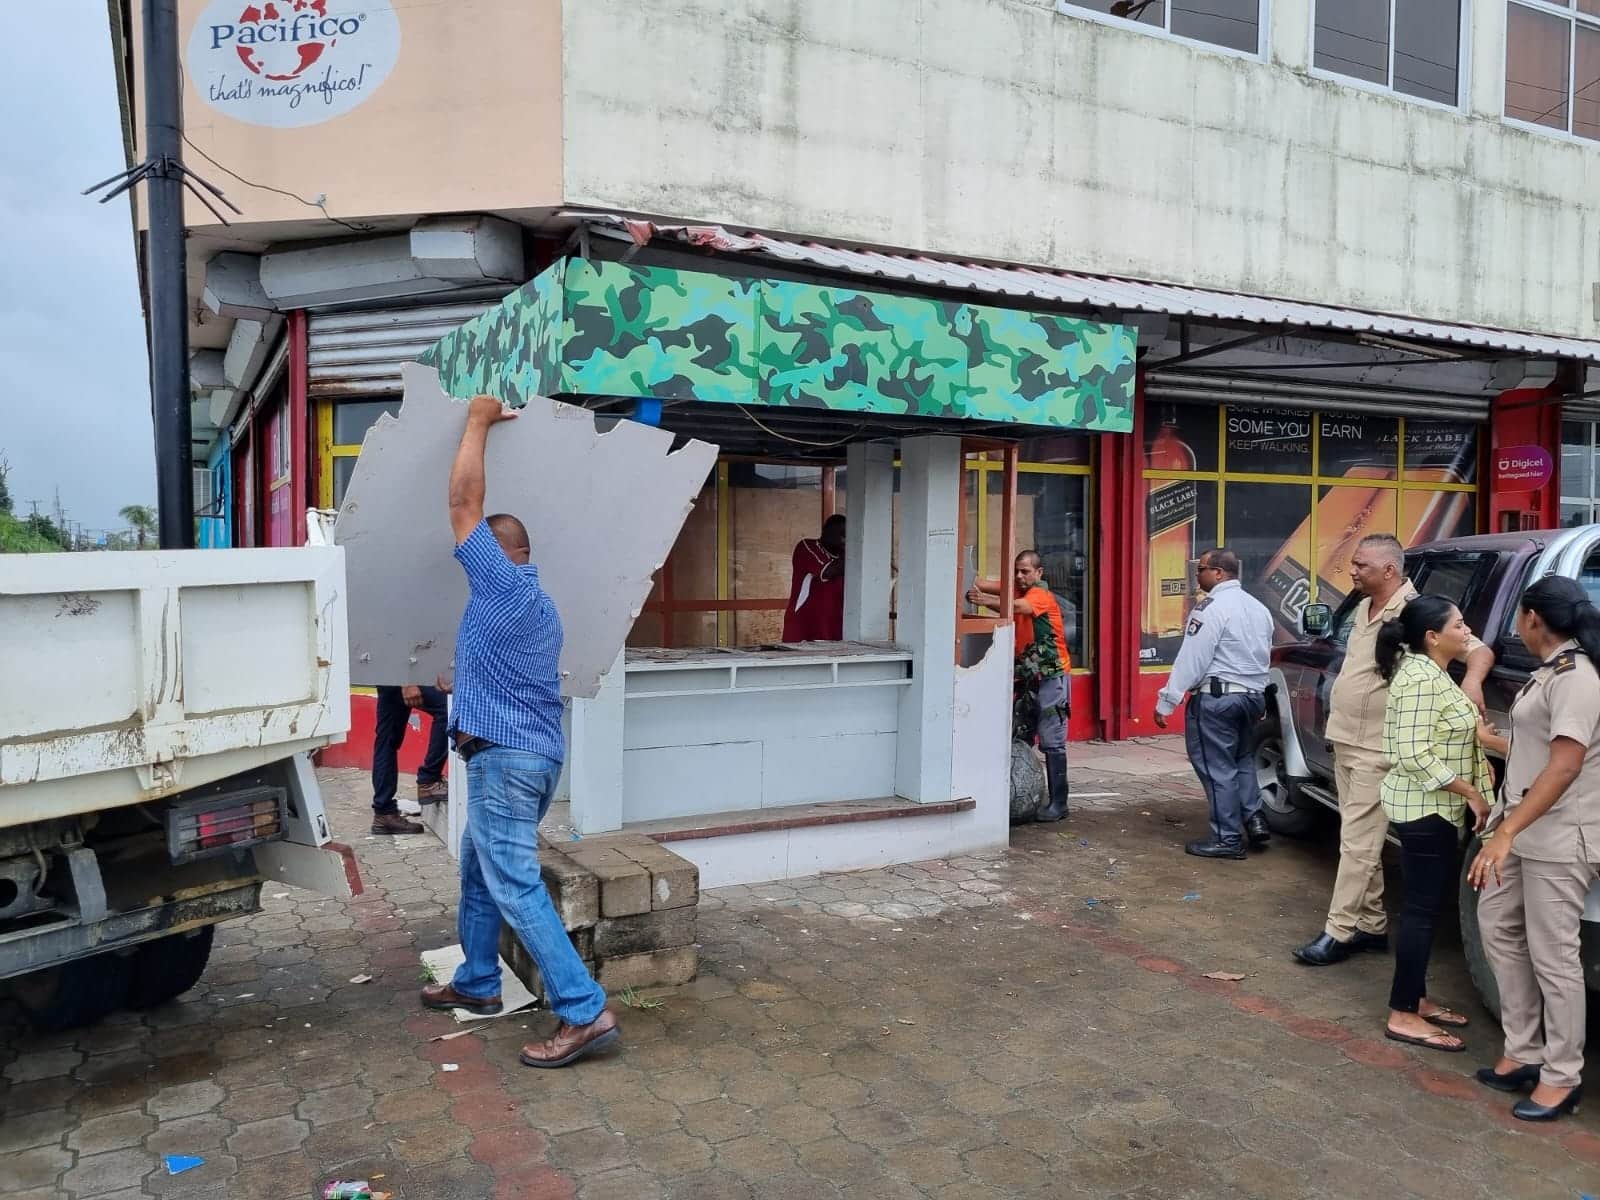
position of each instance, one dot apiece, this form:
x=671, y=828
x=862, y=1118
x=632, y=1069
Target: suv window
x=1344, y=620
x=1452, y=575
x=1589, y=576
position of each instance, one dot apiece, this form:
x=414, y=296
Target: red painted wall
x=1525, y=417
x=356, y=749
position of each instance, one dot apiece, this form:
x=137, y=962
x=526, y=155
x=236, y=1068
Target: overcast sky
x=74, y=386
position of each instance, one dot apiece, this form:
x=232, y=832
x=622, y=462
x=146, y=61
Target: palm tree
x=142, y=518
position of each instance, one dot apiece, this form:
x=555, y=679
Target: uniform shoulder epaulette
x=1563, y=663
x=1203, y=605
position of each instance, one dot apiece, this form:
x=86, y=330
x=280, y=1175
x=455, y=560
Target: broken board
x=602, y=511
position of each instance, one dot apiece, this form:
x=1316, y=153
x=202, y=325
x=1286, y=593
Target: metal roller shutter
x=358, y=352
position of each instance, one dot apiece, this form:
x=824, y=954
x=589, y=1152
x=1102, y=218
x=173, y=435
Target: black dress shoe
x=1215, y=849
x=1260, y=833
x=1527, y=1110
x=1512, y=1081
x=1323, y=951
x=1377, y=943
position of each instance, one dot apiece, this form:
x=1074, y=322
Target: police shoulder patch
x=1564, y=663
x=1194, y=626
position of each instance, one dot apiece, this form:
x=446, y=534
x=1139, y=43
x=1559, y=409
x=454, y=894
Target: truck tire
x=75, y=994
x=1288, y=812
x=165, y=969
x=1478, y=968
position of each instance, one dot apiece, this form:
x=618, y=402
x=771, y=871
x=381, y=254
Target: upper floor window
x=1231, y=24
x=1408, y=46
x=1553, y=65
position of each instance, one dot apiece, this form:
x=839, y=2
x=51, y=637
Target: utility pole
x=169, y=316
x=165, y=177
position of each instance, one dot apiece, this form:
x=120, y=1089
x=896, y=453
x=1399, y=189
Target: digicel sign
x=1521, y=469
x=288, y=63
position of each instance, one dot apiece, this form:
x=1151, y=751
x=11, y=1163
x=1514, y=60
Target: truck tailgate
x=129, y=676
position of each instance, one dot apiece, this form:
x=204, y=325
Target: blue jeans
x=508, y=792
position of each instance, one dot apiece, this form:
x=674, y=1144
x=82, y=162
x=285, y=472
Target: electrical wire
x=267, y=187
x=783, y=437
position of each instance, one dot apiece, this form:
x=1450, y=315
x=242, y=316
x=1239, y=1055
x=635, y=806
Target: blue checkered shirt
x=508, y=650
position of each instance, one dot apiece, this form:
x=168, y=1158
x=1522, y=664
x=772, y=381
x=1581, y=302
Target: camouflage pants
x=1040, y=708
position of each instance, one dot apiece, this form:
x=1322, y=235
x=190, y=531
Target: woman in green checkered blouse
x=1438, y=772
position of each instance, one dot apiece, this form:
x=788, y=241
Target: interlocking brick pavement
x=1034, y=1024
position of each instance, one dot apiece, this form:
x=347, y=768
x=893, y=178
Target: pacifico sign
x=287, y=63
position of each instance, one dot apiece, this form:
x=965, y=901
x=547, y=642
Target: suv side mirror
x=1316, y=620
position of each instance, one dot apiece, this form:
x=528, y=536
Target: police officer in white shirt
x=1222, y=668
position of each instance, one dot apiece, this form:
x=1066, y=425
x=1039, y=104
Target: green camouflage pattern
x=654, y=331
x=613, y=329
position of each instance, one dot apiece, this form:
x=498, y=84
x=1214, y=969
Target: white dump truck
x=157, y=711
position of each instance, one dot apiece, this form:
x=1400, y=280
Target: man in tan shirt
x=1356, y=916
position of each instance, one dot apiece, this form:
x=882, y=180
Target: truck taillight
x=218, y=824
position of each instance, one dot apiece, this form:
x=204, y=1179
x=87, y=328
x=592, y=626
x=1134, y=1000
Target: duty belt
x=1222, y=687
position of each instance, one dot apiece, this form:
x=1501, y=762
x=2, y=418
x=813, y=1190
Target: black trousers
x=391, y=731
x=1428, y=851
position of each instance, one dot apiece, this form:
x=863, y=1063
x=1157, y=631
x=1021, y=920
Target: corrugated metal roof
x=1104, y=291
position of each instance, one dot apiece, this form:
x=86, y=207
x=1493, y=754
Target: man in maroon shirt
x=816, y=593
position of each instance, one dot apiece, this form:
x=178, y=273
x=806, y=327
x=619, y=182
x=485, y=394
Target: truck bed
x=126, y=677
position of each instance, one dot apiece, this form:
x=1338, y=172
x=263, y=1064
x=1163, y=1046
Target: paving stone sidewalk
x=1039, y=1023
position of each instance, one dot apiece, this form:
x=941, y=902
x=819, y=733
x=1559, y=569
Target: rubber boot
x=1055, y=773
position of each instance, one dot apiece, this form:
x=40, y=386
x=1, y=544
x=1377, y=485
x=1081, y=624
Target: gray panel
x=602, y=510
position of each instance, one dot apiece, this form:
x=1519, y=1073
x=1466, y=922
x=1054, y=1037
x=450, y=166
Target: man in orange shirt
x=816, y=591
x=1041, y=676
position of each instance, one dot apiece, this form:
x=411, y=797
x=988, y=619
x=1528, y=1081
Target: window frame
x=1463, y=64
x=1574, y=18
x=1221, y=477
x=1067, y=8
x=1589, y=501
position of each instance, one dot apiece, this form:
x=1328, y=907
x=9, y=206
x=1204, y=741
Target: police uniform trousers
x=1358, y=887
x=1530, y=923
x=1218, y=734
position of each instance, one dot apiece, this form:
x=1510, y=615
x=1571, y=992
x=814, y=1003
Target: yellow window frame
x=1315, y=481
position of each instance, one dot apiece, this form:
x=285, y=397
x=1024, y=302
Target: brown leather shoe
x=569, y=1043
x=445, y=996
x=433, y=793
x=395, y=823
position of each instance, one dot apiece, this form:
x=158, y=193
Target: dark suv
x=1484, y=575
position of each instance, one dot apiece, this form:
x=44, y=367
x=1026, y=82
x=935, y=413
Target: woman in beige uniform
x=1537, y=864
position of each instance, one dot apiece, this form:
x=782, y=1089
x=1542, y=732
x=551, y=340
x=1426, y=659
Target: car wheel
x=1288, y=813
x=76, y=993
x=1478, y=968
x=168, y=967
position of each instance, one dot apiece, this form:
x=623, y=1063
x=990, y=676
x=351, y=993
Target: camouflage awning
x=593, y=328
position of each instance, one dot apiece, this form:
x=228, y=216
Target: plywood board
x=602, y=511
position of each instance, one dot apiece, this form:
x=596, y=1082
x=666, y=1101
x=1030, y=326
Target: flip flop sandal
x=1427, y=1042
x=1447, y=1018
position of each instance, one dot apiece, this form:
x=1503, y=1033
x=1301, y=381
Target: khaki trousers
x=1530, y=923
x=1358, y=888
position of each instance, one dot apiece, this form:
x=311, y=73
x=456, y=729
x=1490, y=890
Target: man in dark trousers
x=395, y=706
x=1220, y=675
x=507, y=729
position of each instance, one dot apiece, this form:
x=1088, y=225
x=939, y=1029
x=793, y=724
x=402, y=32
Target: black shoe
x=1215, y=849
x=1527, y=1110
x=1258, y=831
x=1055, y=773
x=1377, y=943
x=1323, y=951
x=1512, y=1081
x=395, y=823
